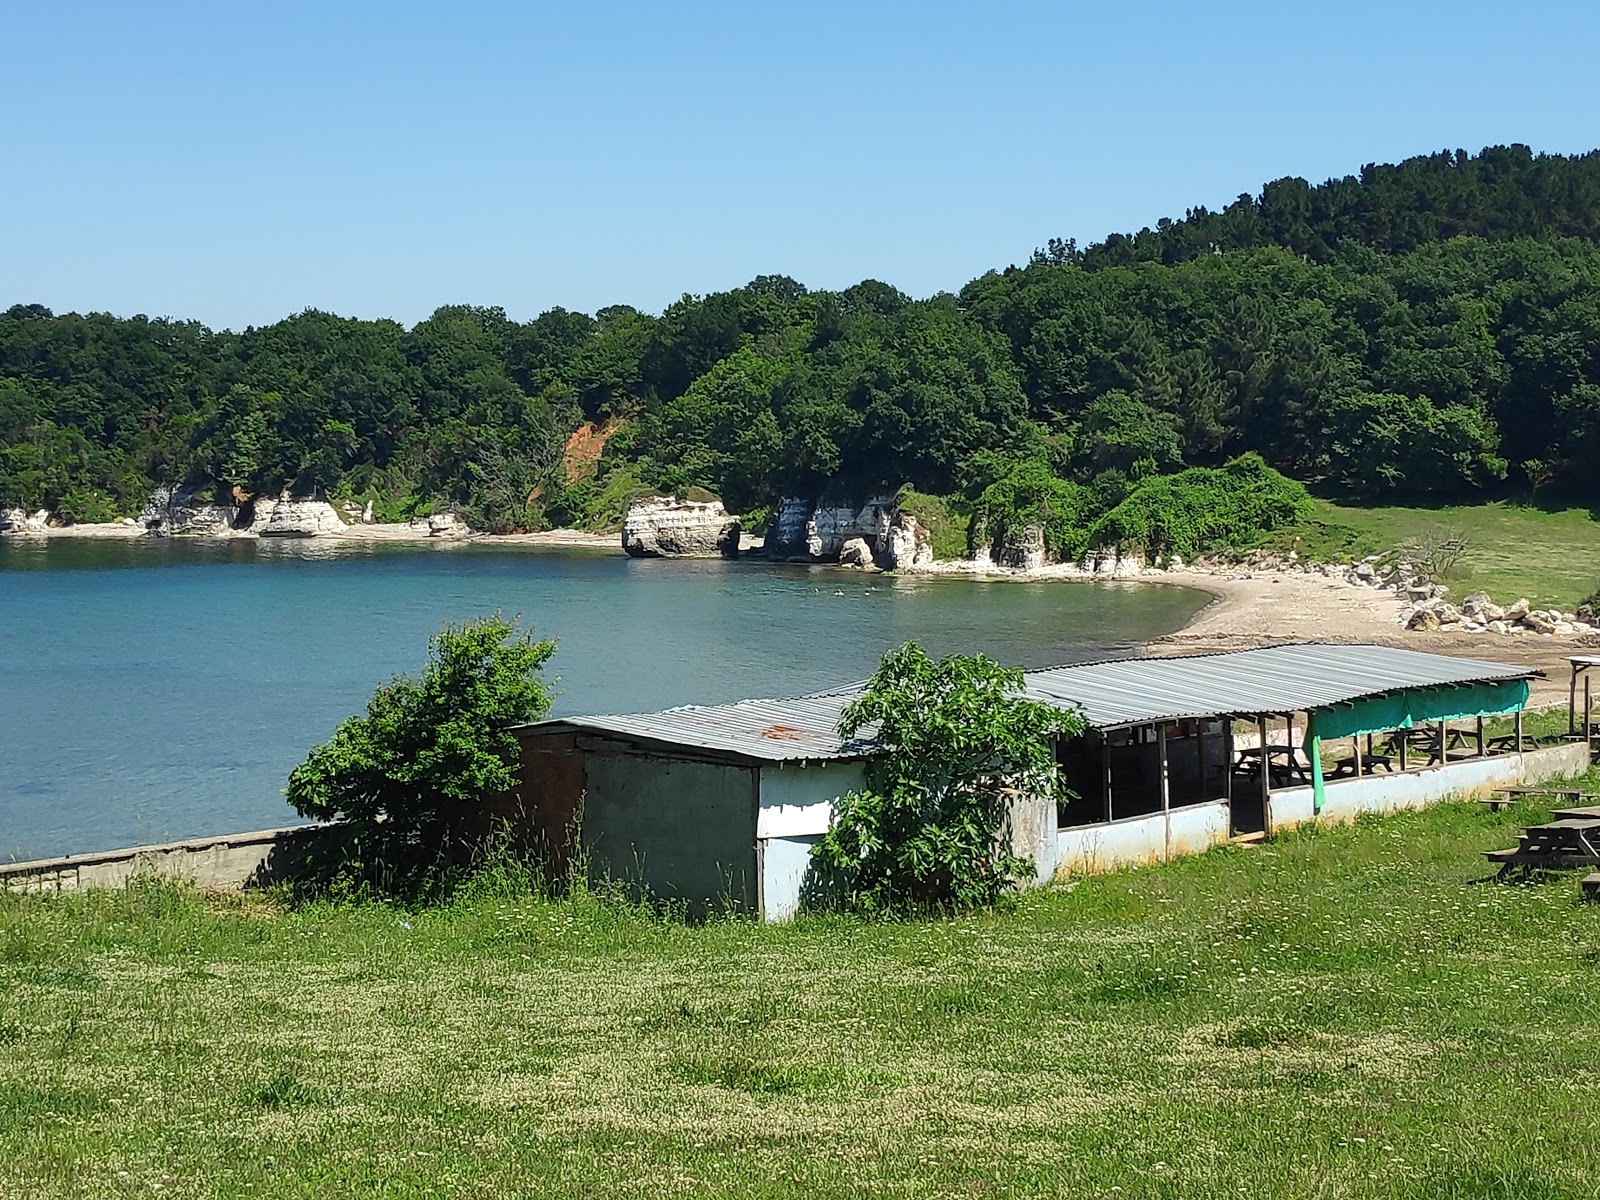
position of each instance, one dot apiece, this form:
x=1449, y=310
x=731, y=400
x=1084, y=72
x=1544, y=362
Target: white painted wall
x=1389, y=791
x=1088, y=849
x=797, y=801
x=784, y=862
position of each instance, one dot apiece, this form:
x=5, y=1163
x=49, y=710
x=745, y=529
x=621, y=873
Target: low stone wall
x=223, y=863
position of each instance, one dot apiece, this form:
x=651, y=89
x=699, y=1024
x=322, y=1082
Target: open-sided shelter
x=711, y=804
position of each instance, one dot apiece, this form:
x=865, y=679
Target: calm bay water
x=163, y=690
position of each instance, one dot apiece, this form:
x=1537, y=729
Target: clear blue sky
x=238, y=162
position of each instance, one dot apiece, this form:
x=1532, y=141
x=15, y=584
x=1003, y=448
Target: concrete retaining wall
x=230, y=861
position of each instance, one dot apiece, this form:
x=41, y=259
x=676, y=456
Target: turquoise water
x=156, y=690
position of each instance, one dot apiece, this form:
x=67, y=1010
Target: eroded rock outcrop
x=820, y=532
x=302, y=518
x=182, y=512
x=856, y=553
x=1023, y=548
x=20, y=520
x=666, y=527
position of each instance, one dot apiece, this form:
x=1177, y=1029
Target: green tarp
x=1403, y=710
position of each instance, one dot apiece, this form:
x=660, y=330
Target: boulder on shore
x=666, y=527
x=855, y=553
x=302, y=518
x=446, y=524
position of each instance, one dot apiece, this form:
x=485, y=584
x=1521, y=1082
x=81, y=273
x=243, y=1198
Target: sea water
x=152, y=690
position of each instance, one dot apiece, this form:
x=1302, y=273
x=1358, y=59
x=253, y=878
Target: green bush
x=1204, y=510
x=1030, y=493
x=945, y=522
x=954, y=737
x=405, y=784
x=87, y=506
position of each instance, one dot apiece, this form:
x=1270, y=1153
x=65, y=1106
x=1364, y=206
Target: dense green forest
x=1426, y=328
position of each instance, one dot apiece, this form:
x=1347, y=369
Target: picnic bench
x=1283, y=764
x=1503, y=796
x=1365, y=765
x=1559, y=845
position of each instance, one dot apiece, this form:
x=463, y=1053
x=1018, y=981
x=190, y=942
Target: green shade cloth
x=1403, y=710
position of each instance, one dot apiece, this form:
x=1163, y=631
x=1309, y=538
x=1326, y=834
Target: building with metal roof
x=722, y=803
x=1272, y=680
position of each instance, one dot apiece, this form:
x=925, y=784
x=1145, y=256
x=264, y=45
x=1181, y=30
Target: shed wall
x=677, y=830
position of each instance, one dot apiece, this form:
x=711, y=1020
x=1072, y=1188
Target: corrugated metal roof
x=1273, y=679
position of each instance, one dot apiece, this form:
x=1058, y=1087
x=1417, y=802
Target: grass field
x=1551, y=557
x=1348, y=1013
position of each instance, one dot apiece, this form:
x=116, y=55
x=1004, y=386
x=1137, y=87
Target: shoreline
x=410, y=533
x=1248, y=607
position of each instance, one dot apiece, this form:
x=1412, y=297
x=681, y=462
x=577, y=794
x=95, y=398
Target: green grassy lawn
x=1348, y=1013
x=1512, y=550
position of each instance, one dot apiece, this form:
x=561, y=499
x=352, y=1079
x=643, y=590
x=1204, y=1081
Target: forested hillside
x=1431, y=327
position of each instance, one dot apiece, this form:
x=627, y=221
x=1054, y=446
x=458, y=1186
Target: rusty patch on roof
x=781, y=733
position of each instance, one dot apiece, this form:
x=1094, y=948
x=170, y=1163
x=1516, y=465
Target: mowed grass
x=1353, y=1012
x=1551, y=557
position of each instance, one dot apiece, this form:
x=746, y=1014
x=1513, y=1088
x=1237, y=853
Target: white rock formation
x=905, y=545
x=179, y=512
x=301, y=518
x=666, y=527
x=855, y=553
x=446, y=524
x=819, y=532
x=20, y=520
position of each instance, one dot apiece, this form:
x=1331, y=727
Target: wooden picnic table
x=1503, y=796
x=1284, y=765
x=1344, y=767
x=1426, y=739
x=1569, y=842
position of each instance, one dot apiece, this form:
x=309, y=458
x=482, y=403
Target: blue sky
x=235, y=163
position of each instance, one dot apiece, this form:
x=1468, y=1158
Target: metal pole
x=1519, y=731
x=1357, y=741
x=1588, y=729
x=1105, y=763
x=1480, y=737
x=1266, y=778
x=1227, y=757
x=1161, y=753
x=1572, y=702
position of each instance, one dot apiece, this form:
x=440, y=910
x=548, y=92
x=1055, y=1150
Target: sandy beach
x=1268, y=607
